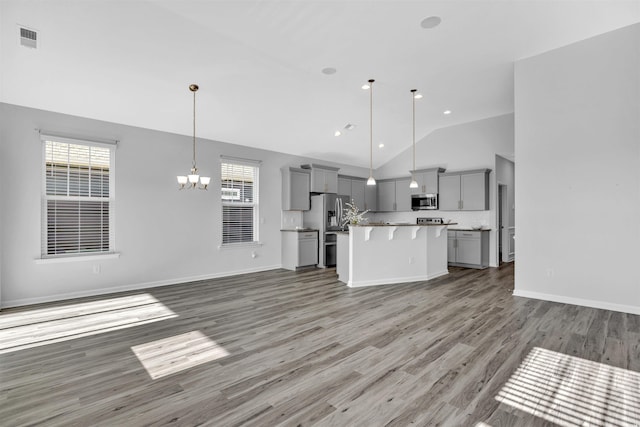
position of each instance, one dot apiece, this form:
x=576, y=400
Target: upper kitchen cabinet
x=370, y=197
x=427, y=181
x=354, y=188
x=464, y=190
x=324, y=179
x=403, y=195
x=394, y=195
x=386, y=195
x=344, y=186
x=295, y=189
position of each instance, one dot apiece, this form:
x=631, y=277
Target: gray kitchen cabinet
x=468, y=248
x=403, y=195
x=464, y=190
x=299, y=249
x=386, y=196
x=427, y=181
x=371, y=198
x=344, y=186
x=358, y=193
x=295, y=189
x=354, y=188
x=324, y=179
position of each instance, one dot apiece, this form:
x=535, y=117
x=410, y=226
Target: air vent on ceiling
x=28, y=38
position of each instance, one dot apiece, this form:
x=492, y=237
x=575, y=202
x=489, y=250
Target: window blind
x=239, y=196
x=77, y=198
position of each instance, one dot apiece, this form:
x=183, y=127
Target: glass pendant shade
x=414, y=184
x=193, y=179
x=371, y=181
x=182, y=180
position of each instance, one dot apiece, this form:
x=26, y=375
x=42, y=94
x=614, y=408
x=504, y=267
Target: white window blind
x=239, y=195
x=77, y=211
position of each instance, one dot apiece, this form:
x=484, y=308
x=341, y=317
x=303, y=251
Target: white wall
x=472, y=145
x=163, y=235
x=578, y=173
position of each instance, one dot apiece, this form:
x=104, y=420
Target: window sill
x=239, y=245
x=77, y=258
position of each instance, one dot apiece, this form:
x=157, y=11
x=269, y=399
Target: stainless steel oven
x=423, y=202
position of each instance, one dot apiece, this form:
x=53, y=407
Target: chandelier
x=191, y=180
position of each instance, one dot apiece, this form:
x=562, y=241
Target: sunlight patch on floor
x=571, y=391
x=177, y=353
x=29, y=328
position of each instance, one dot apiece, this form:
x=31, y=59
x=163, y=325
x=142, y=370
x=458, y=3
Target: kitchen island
x=380, y=254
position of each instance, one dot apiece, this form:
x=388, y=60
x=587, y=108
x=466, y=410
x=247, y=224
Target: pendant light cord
x=413, y=97
x=371, y=127
x=194, y=129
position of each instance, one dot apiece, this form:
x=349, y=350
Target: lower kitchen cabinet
x=468, y=248
x=299, y=249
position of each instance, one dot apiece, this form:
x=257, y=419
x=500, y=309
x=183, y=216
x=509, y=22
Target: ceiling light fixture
x=329, y=70
x=417, y=95
x=366, y=86
x=446, y=112
x=414, y=183
x=381, y=145
x=371, y=180
x=337, y=133
x=193, y=178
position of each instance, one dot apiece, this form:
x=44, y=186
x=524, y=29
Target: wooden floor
x=300, y=348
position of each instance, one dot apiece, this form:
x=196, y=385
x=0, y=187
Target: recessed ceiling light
x=381, y=145
x=447, y=112
x=417, y=95
x=430, y=22
x=337, y=133
x=329, y=70
x=365, y=86
x=349, y=126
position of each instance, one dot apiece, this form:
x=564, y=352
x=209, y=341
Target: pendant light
x=371, y=180
x=191, y=180
x=414, y=183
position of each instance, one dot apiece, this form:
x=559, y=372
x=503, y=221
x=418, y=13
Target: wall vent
x=28, y=38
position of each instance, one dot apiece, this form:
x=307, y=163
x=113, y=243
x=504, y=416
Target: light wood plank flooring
x=300, y=348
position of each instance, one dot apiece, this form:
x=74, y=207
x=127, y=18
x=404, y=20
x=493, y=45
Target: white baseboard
x=131, y=287
x=363, y=283
x=578, y=301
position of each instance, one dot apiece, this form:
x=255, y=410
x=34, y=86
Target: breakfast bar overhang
x=381, y=254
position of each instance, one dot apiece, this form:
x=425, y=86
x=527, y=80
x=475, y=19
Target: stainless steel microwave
x=424, y=202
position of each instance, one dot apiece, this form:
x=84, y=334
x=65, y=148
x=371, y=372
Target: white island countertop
x=380, y=254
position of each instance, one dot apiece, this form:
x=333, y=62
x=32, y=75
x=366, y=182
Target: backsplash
x=290, y=220
x=465, y=219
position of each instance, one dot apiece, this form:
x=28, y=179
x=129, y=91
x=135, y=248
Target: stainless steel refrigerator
x=326, y=215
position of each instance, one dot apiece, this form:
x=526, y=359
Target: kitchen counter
x=299, y=230
x=469, y=229
x=400, y=225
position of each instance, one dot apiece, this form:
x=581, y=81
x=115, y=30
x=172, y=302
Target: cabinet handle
x=424, y=189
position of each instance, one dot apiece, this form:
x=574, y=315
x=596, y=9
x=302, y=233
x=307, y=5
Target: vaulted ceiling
x=259, y=64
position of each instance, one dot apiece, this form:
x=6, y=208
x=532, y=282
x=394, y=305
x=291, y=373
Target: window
x=77, y=202
x=239, y=195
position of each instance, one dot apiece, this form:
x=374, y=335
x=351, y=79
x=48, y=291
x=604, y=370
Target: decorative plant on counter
x=353, y=215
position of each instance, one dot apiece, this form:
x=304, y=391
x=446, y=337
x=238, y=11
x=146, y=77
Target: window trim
x=75, y=256
x=256, y=203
